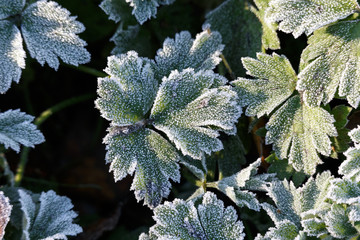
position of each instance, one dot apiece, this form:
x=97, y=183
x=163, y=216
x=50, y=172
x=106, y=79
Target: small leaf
x=355, y=135
x=16, y=128
x=275, y=82
x=12, y=54
x=285, y=230
x=299, y=16
x=191, y=112
x=338, y=223
x=5, y=211
x=50, y=32
x=344, y=191
x=116, y=9
x=10, y=8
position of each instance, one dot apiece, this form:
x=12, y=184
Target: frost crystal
x=16, y=128
x=10, y=8
x=187, y=104
x=184, y=220
x=350, y=168
x=50, y=32
x=5, y=211
x=330, y=62
x=275, y=82
x=298, y=16
x=48, y=218
x=12, y=54
x=299, y=132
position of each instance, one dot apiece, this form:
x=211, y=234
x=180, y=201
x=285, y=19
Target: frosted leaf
x=50, y=32
x=285, y=230
x=354, y=212
x=183, y=220
x=313, y=225
x=299, y=16
x=350, y=167
x=116, y=9
x=270, y=39
x=184, y=52
x=197, y=167
x=298, y=132
x=5, y=211
x=145, y=9
x=344, y=191
x=240, y=31
x=191, y=112
x=49, y=218
x=331, y=62
x=338, y=223
x=16, y=128
x=6, y=175
x=124, y=38
x=12, y=54
x=275, y=82
x=10, y=8
x=355, y=136
x=150, y=156
x=129, y=91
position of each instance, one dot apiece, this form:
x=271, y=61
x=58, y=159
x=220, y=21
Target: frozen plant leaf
x=240, y=30
x=344, y=191
x=196, y=167
x=49, y=218
x=350, y=168
x=12, y=54
x=338, y=224
x=331, y=62
x=298, y=132
x=129, y=91
x=16, y=128
x=118, y=10
x=270, y=39
x=145, y=9
x=50, y=32
x=5, y=211
x=191, y=111
x=299, y=16
x=124, y=38
x=150, y=156
x=10, y=8
x=184, y=220
x=275, y=82
x=285, y=230
x=355, y=136
x=184, y=52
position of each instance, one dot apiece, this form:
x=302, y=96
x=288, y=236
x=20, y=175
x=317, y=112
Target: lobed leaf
x=275, y=82
x=51, y=33
x=117, y=10
x=298, y=132
x=191, y=111
x=16, y=128
x=344, y=191
x=338, y=223
x=285, y=230
x=350, y=167
x=12, y=54
x=299, y=16
x=183, y=220
x=10, y=8
x=330, y=62
x=5, y=212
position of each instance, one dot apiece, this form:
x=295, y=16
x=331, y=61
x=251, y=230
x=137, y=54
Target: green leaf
x=16, y=128
x=338, y=223
x=240, y=29
x=12, y=54
x=355, y=136
x=344, y=191
x=183, y=220
x=152, y=158
x=129, y=91
x=10, y=8
x=299, y=132
x=118, y=10
x=184, y=52
x=341, y=142
x=285, y=230
x=330, y=63
x=50, y=32
x=192, y=112
x=5, y=212
x=299, y=16
x=350, y=168
x=274, y=82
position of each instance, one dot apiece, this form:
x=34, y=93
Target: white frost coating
x=5, y=211
x=350, y=168
x=145, y=9
x=10, y=8
x=284, y=230
x=49, y=218
x=153, y=159
x=129, y=91
x=299, y=132
x=299, y=16
x=16, y=128
x=330, y=63
x=191, y=112
x=344, y=191
x=275, y=82
x=184, y=52
x=50, y=32
x=355, y=136
x=12, y=55
x=183, y=220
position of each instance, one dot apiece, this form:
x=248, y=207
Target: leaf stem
x=226, y=63
x=38, y=121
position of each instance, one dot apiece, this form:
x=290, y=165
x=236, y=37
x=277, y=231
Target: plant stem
x=38, y=121
x=227, y=65
x=88, y=70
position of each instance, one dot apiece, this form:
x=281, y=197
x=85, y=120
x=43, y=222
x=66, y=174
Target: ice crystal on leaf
x=299, y=132
x=16, y=128
x=9, y=8
x=5, y=211
x=330, y=63
x=350, y=168
x=191, y=111
x=299, y=16
x=284, y=230
x=186, y=220
x=12, y=58
x=275, y=82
